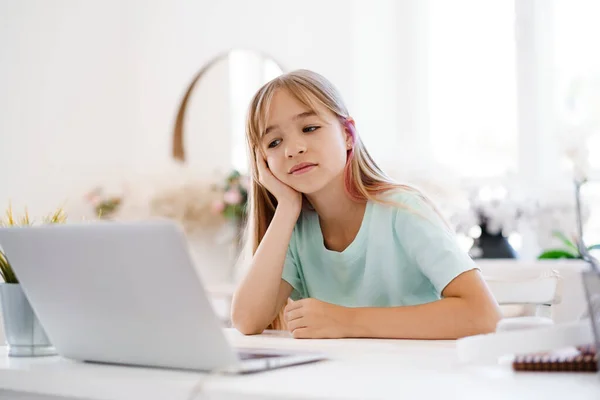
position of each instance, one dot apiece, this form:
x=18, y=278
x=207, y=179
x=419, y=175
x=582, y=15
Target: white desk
x=359, y=369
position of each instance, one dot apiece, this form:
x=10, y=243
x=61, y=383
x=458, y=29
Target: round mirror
x=210, y=127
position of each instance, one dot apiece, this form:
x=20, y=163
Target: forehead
x=284, y=106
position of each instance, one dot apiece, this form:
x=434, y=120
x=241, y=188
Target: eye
x=310, y=129
x=274, y=143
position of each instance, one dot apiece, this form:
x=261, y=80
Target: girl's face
x=303, y=149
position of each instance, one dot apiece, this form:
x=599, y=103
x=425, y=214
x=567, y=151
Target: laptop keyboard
x=256, y=356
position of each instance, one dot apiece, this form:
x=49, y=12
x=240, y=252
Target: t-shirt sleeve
x=429, y=243
x=291, y=272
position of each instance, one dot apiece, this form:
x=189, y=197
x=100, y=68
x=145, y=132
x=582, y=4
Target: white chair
x=529, y=295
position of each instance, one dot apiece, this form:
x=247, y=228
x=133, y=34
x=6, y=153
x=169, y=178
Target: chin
x=309, y=187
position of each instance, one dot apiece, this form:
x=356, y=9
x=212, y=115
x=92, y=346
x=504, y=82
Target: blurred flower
x=232, y=203
x=574, y=142
x=218, y=206
x=232, y=196
x=245, y=182
x=104, y=206
x=499, y=207
x=192, y=204
x=93, y=197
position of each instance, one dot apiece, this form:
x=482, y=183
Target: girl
x=359, y=255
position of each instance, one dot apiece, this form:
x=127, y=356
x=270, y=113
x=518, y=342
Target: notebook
x=585, y=359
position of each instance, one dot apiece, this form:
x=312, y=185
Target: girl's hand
x=315, y=319
x=285, y=195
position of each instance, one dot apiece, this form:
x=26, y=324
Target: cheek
x=275, y=166
x=337, y=153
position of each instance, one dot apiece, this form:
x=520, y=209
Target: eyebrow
x=297, y=117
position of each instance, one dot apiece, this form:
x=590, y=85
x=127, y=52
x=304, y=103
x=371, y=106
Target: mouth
x=301, y=168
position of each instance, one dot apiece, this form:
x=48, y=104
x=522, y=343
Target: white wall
x=390, y=82
x=95, y=85
x=89, y=90
x=172, y=40
x=64, y=98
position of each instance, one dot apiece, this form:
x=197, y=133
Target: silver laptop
x=126, y=293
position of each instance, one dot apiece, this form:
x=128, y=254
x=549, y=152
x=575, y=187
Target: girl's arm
x=262, y=293
x=468, y=308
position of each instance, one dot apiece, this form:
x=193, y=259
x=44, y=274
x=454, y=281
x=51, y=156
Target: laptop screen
x=591, y=282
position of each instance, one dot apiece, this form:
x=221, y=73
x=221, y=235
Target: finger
x=297, y=323
x=294, y=314
x=294, y=306
x=260, y=159
x=301, y=333
x=264, y=173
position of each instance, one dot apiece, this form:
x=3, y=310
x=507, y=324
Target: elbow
x=246, y=327
x=488, y=324
x=487, y=319
x=479, y=318
x=242, y=320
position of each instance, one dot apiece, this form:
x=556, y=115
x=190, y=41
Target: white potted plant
x=24, y=334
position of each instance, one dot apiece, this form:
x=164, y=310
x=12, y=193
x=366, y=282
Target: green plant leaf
x=561, y=236
x=6, y=271
x=556, y=254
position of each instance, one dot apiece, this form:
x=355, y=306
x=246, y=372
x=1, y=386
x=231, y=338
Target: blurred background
x=490, y=106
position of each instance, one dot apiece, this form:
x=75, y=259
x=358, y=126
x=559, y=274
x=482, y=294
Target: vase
x=25, y=336
x=491, y=245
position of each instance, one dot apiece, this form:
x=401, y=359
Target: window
x=578, y=72
x=473, y=109
x=578, y=95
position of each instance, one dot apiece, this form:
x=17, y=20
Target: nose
x=295, y=148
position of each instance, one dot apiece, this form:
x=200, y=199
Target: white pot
x=25, y=336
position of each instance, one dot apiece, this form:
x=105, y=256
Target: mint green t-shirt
x=401, y=256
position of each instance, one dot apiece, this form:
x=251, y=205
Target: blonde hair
x=363, y=179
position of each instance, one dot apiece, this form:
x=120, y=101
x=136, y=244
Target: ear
x=350, y=138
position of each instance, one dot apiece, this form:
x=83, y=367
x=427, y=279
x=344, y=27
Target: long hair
x=363, y=179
